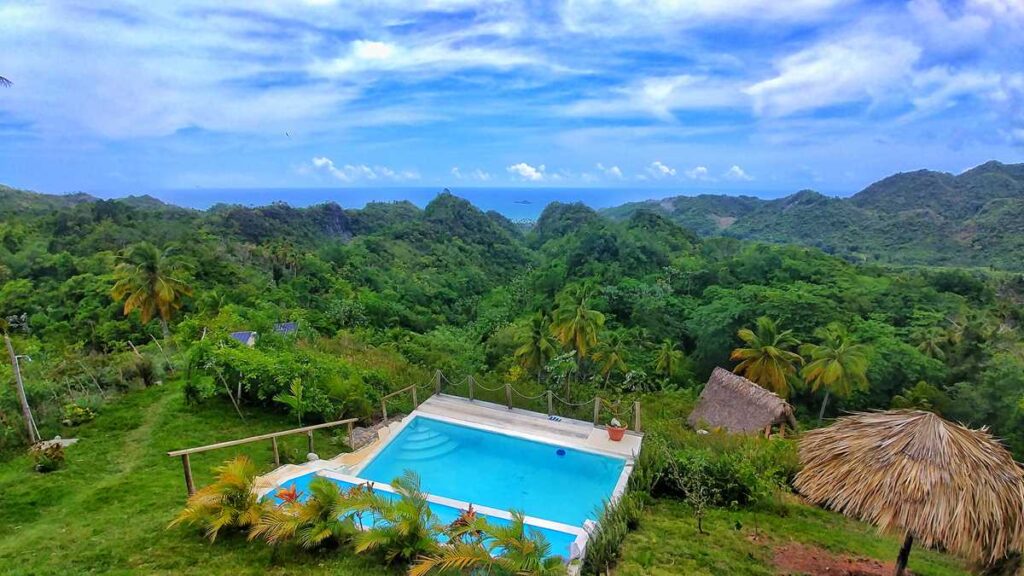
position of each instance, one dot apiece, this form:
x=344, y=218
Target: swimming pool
x=504, y=472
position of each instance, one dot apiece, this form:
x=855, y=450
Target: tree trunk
x=26, y=412
x=821, y=413
x=165, y=329
x=901, y=561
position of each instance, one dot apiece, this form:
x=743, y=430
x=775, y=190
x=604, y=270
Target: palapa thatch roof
x=908, y=471
x=736, y=404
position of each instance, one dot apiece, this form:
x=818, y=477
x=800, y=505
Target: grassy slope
x=107, y=510
x=667, y=543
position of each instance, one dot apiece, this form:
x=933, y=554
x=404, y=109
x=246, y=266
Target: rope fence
x=597, y=410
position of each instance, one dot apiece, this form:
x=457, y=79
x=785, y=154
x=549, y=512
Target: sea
x=513, y=203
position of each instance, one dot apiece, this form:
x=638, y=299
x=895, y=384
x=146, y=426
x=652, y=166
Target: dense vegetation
x=923, y=217
x=115, y=296
x=387, y=294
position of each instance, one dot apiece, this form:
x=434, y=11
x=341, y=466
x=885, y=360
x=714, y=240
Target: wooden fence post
x=437, y=381
x=384, y=408
x=551, y=403
x=636, y=416
x=471, y=382
x=187, y=466
x=415, y=403
x=597, y=409
x=508, y=395
x=350, y=434
x=277, y=454
x=309, y=437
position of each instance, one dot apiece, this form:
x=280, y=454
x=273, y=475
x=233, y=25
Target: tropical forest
x=139, y=327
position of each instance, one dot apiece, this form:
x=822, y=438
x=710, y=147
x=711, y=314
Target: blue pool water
x=504, y=472
x=560, y=542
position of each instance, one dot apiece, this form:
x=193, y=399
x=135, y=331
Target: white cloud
x=736, y=174
x=660, y=95
x=659, y=170
x=698, y=173
x=853, y=69
x=601, y=17
x=476, y=174
x=362, y=172
x=527, y=172
x=610, y=171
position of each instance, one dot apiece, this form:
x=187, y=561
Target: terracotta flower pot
x=616, y=434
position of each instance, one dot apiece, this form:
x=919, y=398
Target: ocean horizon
x=512, y=202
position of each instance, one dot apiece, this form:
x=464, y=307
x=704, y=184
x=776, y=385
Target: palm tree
x=230, y=502
x=609, y=355
x=539, y=346
x=4, y=82
x=294, y=399
x=669, y=360
x=836, y=363
x=325, y=516
x=404, y=528
x=145, y=280
x=768, y=359
x=576, y=325
x=932, y=343
x=512, y=549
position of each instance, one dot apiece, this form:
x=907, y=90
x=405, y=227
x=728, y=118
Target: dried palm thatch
x=736, y=404
x=912, y=473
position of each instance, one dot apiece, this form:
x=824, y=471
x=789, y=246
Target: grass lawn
x=107, y=510
x=667, y=542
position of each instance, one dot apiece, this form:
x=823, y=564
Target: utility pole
x=26, y=412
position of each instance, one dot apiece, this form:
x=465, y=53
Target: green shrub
x=76, y=413
x=604, y=546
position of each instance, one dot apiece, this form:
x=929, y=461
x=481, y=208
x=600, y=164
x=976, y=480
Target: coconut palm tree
x=324, y=517
x=230, y=502
x=837, y=364
x=539, y=346
x=404, y=528
x=768, y=359
x=609, y=354
x=576, y=325
x=4, y=82
x=512, y=549
x=932, y=343
x=148, y=280
x=669, y=360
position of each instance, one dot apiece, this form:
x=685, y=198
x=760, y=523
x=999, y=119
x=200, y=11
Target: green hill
x=921, y=217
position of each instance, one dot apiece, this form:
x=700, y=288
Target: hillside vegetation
x=923, y=217
x=126, y=309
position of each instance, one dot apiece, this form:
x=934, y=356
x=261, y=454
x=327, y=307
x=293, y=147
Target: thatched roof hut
x=913, y=474
x=736, y=404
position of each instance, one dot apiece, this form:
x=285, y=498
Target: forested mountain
x=626, y=306
x=923, y=217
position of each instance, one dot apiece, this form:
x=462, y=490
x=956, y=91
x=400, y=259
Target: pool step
x=437, y=451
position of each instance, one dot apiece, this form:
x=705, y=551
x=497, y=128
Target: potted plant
x=616, y=429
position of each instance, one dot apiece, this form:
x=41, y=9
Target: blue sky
x=687, y=96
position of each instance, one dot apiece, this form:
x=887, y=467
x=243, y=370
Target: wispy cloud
x=361, y=172
x=659, y=170
x=736, y=174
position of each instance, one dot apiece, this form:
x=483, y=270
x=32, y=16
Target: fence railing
x=272, y=436
x=546, y=401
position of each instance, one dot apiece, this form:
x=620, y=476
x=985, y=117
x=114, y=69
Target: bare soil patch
x=794, y=558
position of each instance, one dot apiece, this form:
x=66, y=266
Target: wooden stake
x=277, y=455
x=188, y=475
x=597, y=409
x=508, y=395
x=904, y=557
x=309, y=437
x=551, y=403
x=636, y=416
x=26, y=411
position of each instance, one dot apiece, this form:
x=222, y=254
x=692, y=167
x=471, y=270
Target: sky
x=688, y=96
